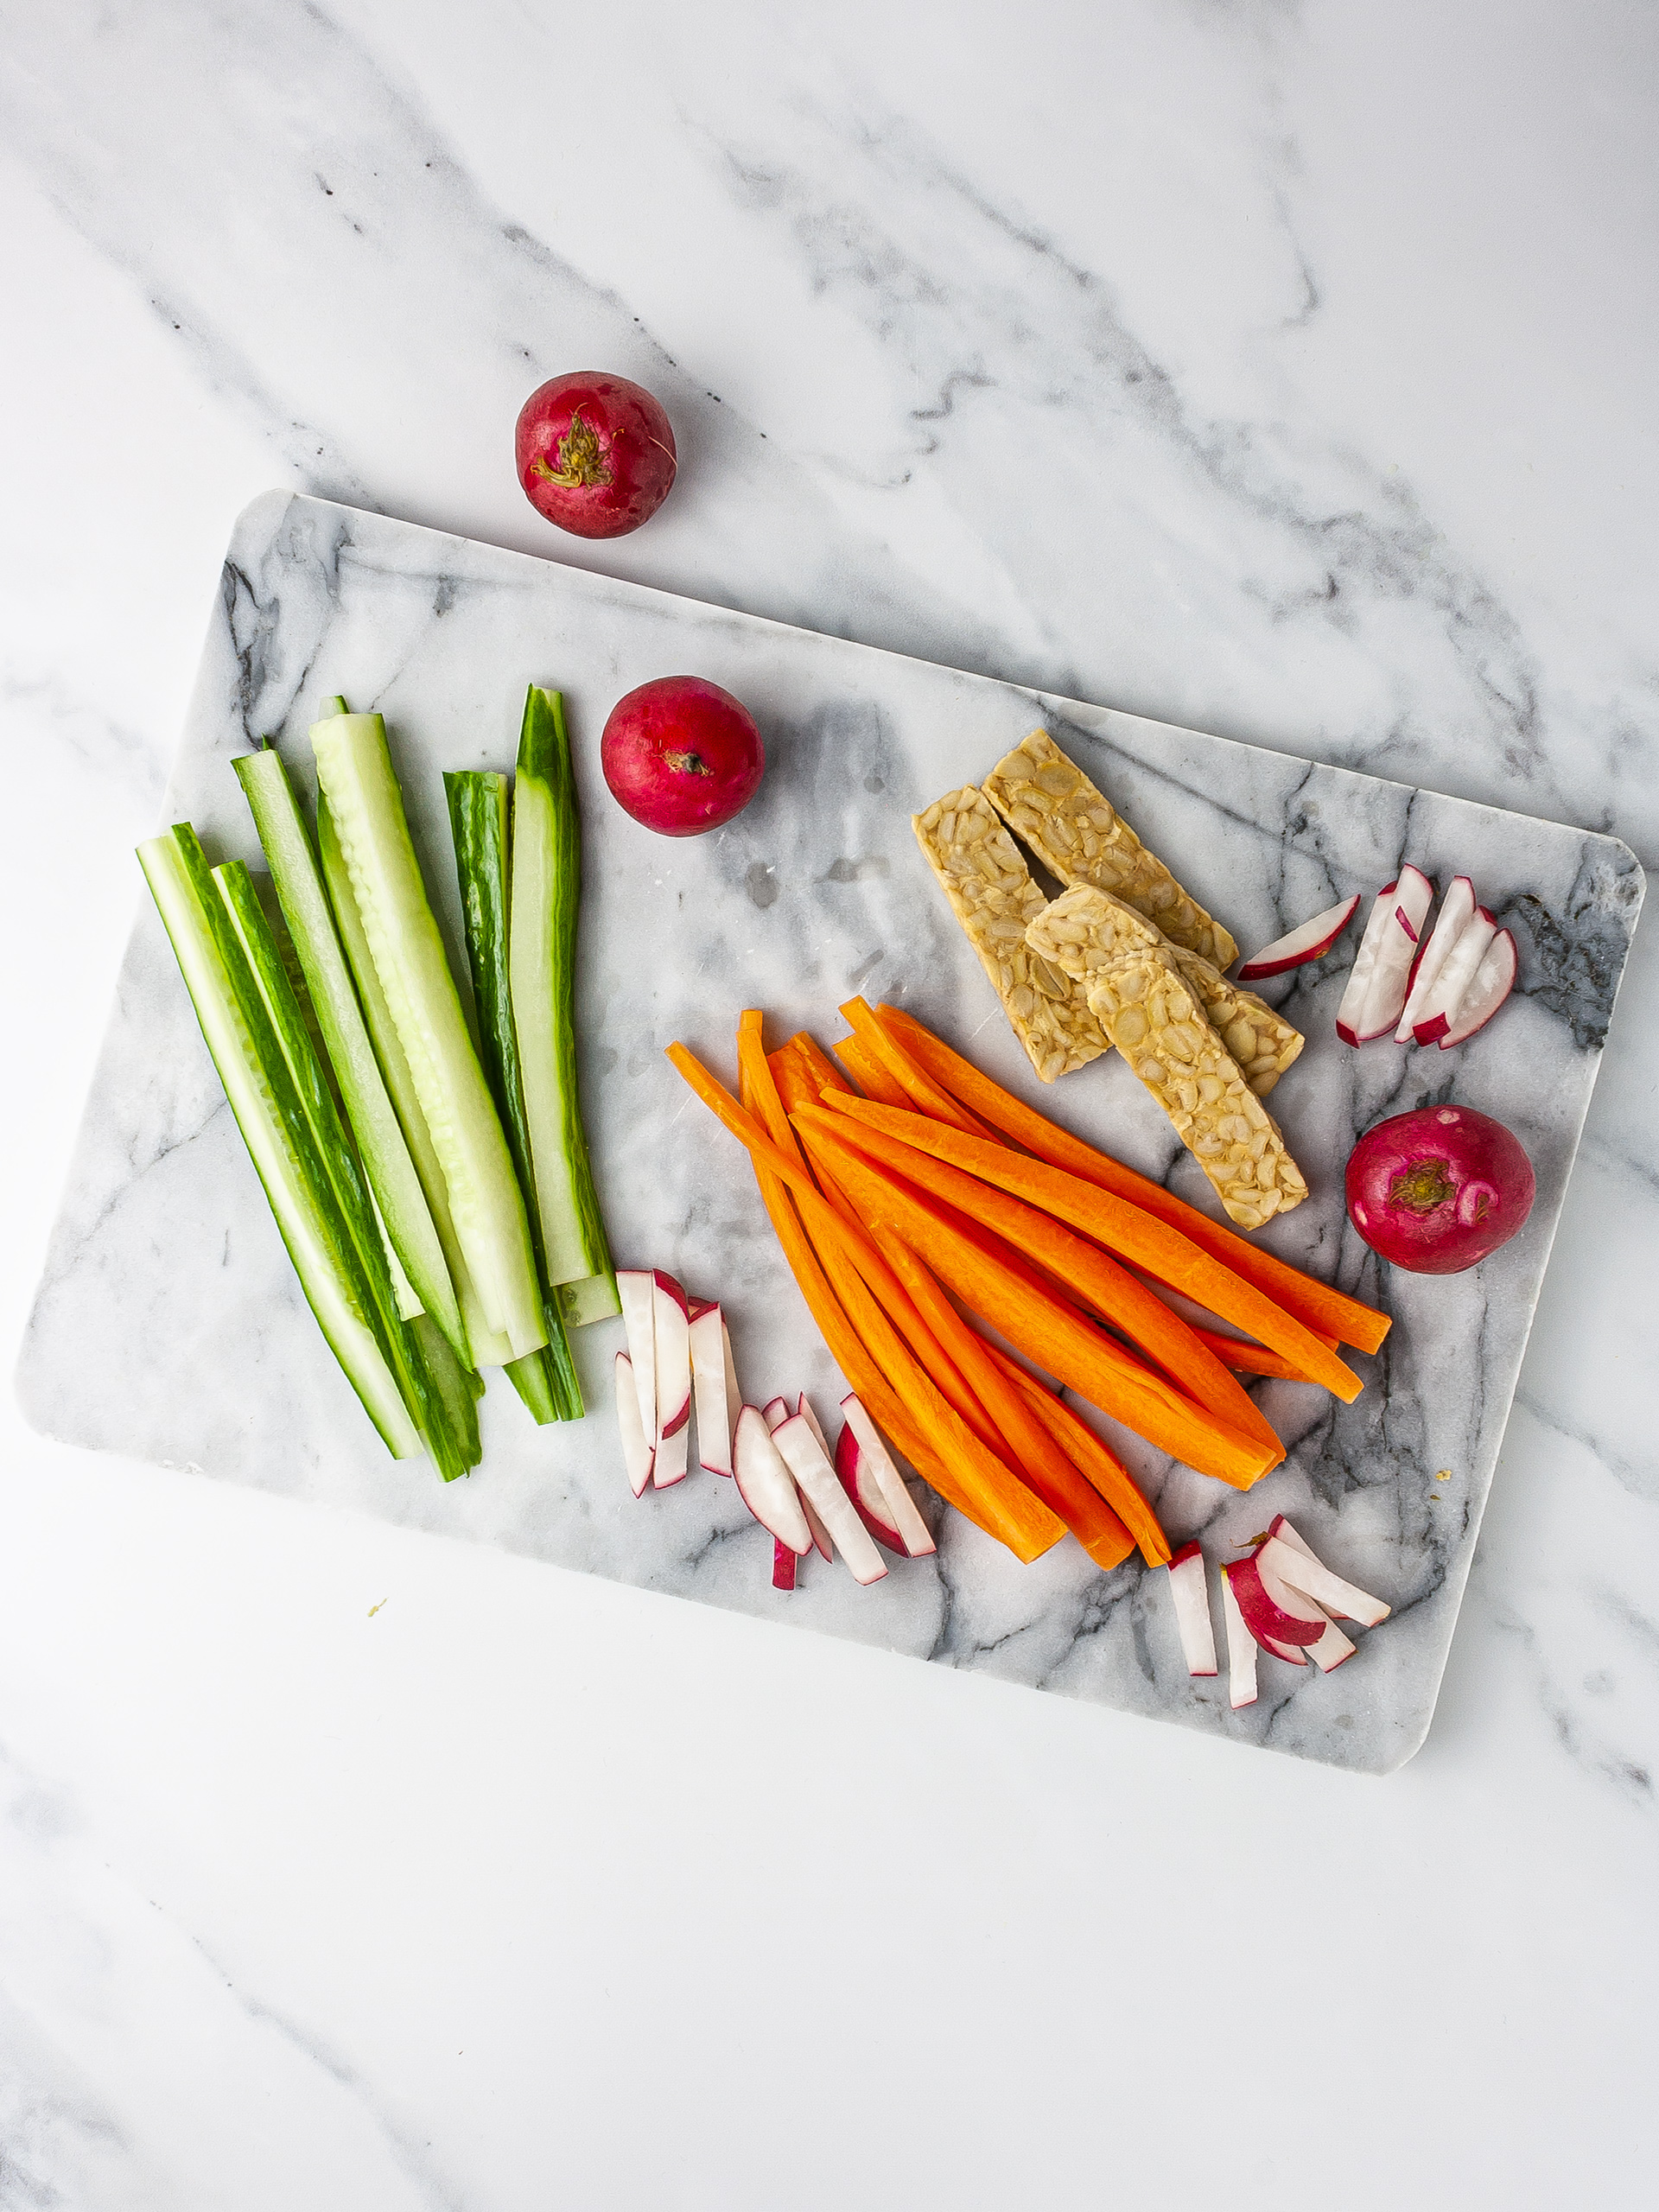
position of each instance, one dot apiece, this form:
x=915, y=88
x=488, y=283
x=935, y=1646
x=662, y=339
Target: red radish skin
x=783, y=1565
x=681, y=755
x=1308, y=942
x=1438, y=1190
x=595, y=453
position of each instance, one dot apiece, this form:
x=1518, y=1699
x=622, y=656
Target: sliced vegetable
x=637, y=1453
x=407, y=950
x=1442, y=1003
x=875, y=1462
x=765, y=1482
x=857, y=1476
x=1296, y=1566
x=783, y=1565
x=713, y=1390
x=1240, y=1650
x=637, y=1287
x=1493, y=981
x=672, y=1331
x=1326, y=1651
x=804, y=1454
x=1457, y=910
x=546, y=898
x=1309, y=941
x=870, y=1073
x=381, y=1143
x=1376, y=995
x=1191, y=1601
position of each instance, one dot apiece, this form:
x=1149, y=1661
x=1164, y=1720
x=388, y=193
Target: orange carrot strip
x=1041, y=1458
x=1251, y=1359
x=870, y=1073
x=920, y=1090
x=998, y=1500
x=1321, y=1307
x=1087, y=1271
x=1088, y=1453
x=1138, y=1236
x=1046, y=1329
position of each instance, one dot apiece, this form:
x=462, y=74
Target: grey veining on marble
x=169, y=1324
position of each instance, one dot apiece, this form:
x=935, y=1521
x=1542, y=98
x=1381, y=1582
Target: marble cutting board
x=169, y=1325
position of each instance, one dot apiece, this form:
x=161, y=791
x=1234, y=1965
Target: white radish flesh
x=858, y=1481
x=902, y=1509
x=1273, y=1621
x=1310, y=1578
x=1306, y=943
x=1352, y=1011
x=1331, y=1647
x=808, y=1462
x=765, y=1485
x=636, y=1288
x=716, y=1414
x=671, y=1332
x=1240, y=1650
x=1385, y=995
x=1494, y=981
x=1186, y=1587
x=1434, y=1016
x=812, y=1420
x=1456, y=909
x=636, y=1444
x=775, y=1411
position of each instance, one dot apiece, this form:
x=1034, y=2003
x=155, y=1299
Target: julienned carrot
x=1324, y=1309
x=920, y=1090
x=1086, y=1271
x=996, y=1499
x=1128, y=1229
x=1251, y=1359
x=870, y=1072
x=804, y=1052
x=1089, y=1453
x=1039, y=1454
x=1046, y=1329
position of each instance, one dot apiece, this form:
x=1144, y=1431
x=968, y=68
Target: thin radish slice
x=1310, y=1578
x=820, y=1534
x=783, y=1565
x=697, y=1307
x=672, y=1335
x=1457, y=908
x=1281, y=1528
x=1307, y=943
x=857, y=1478
x=775, y=1411
x=1439, y=1005
x=765, y=1485
x=1187, y=1588
x=1396, y=951
x=734, y=1395
x=715, y=1421
x=812, y=1422
x=637, y=1453
x=1494, y=981
x=1331, y=1647
x=1269, y=1618
x=1240, y=1650
x=809, y=1465
x=902, y=1510
x=1352, y=1011
x=636, y=1288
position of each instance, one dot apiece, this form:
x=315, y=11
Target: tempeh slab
x=1080, y=837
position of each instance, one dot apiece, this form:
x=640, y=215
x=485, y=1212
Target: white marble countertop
x=1282, y=371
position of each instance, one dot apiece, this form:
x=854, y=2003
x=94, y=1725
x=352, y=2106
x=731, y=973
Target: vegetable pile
x=436, y=1199
x=1279, y=1599
x=1434, y=992
x=934, y=1220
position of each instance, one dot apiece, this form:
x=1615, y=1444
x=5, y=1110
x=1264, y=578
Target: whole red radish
x=1438, y=1190
x=595, y=453
x=681, y=755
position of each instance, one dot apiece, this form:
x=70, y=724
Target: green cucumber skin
x=407, y=950
x=486, y=1347
x=312, y=930
x=345, y=1181
x=254, y=1073
x=546, y=896
x=479, y=826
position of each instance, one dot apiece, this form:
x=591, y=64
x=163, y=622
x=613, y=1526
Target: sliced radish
x=734, y=1395
x=1397, y=952
x=1307, y=943
x=774, y=1411
x=812, y=1422
x=765, y=1485
x=1434, y=1015
x=1240, y=1650
x=783, y=1565
x=1331, y=1647
x=716, y=1412
x=821, y=1536
x=1270, y=1622
x=1281, y=1528
x=636, y=1444
x=1494, y=980
x=875, y=1457
x=1297, y=1567
x=858, y=1479
x=636, y=1288
x=671, y=1332
x=697, y=1307
x=809, y=1463
x=1456, y=909
x=1186, y=1586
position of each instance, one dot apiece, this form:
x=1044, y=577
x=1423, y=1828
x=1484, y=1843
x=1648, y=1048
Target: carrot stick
x=1138, y=1236
x=996, y=1498
x=1046, y=1329
x=1085, y=1270
x=870, y=1073
x=1321, y=1307
x=1088, y=1453
x=919, y=1088
x=1251, y=1359
x=1043, y=1459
